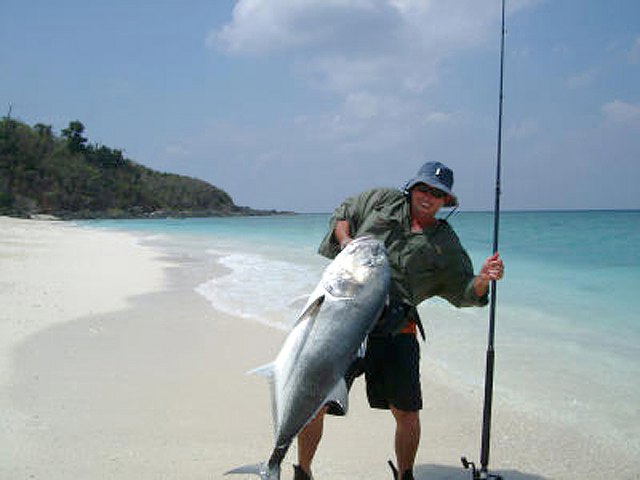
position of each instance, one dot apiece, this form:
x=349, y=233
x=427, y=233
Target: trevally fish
x=310, y=367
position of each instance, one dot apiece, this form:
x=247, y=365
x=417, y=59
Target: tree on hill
x=69, y=177
x=73, y=133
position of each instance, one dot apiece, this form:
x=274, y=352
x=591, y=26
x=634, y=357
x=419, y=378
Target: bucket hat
x=437, y=175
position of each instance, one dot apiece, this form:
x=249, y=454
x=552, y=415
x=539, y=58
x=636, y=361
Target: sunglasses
x=434, y=192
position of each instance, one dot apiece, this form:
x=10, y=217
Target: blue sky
x=296, y=104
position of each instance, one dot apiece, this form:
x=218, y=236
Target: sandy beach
x=113, y=367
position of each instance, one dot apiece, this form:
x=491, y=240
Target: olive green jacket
x=423, y=264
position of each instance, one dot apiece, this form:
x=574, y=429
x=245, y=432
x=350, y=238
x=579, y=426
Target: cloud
x=363, y=105
x=264, y=26
x=382, y=62
x=622, y=113
x=346, y=45
x=260, y=26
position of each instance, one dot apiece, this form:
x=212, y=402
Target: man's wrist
x=481, y=284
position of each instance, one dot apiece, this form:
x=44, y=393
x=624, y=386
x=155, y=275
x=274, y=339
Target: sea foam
x=260, y=289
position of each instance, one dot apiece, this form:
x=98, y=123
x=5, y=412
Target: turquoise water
x=567, y=333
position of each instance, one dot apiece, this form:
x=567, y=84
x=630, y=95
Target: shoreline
x=156, y=388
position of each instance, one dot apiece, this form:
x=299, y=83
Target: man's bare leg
x=308, y=441
x=407, y=438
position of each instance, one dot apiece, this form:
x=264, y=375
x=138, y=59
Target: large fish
x=310, y=368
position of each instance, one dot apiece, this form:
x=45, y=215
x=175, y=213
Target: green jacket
x=423, y=265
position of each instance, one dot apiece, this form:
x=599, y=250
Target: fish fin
x=310, y=310
x=262, y=470
x=307, y=317
x=299, y=302
x=268, y=371
x=340, y=396
x=264, y=370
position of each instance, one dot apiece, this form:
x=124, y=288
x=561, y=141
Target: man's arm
x=492, y=269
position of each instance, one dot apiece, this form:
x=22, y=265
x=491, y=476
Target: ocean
x=567, y=334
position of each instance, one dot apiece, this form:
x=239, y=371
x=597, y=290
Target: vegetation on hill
x=66, y=176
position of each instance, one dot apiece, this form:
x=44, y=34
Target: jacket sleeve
x=459, y=290
x=329, y=247
x=353, y=209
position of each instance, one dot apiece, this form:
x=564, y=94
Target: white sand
x=53, y=272
x=119, y=370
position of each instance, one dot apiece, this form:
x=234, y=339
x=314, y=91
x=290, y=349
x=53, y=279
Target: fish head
x=361, y=264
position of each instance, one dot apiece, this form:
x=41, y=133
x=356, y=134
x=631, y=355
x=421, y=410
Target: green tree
x=41, y=172
x=43, y=131
x=73, y=134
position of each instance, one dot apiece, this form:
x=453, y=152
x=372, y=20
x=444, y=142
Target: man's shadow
x=445, y=472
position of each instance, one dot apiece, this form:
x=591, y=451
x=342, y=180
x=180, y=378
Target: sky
x=298, y=104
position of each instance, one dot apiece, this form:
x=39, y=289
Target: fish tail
x=264, y=470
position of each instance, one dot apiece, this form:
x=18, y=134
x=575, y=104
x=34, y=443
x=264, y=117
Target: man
x=426, y=260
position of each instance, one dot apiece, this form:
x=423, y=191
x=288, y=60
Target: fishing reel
x=476, y=474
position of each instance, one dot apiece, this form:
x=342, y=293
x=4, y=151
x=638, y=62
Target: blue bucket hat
x=437, y=175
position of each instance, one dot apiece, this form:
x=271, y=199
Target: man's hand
x=341, y=233
x=492, y=269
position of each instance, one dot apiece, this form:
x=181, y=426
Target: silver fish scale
x=316, y=354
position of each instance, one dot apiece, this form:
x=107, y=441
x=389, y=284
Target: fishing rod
x=483, y=472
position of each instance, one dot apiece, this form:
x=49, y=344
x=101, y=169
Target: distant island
x=65, y=176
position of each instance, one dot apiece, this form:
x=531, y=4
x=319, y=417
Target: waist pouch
x=396, y=315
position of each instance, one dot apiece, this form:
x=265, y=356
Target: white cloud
x=347, y=45
x=622, y=113
x=363, y=122
x=262, y=26
x=383, y=60
x=259, y=26
x=363, y=105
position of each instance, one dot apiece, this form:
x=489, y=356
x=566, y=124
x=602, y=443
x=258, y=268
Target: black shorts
x=392, y=372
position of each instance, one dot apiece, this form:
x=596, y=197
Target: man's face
x=426, y=201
